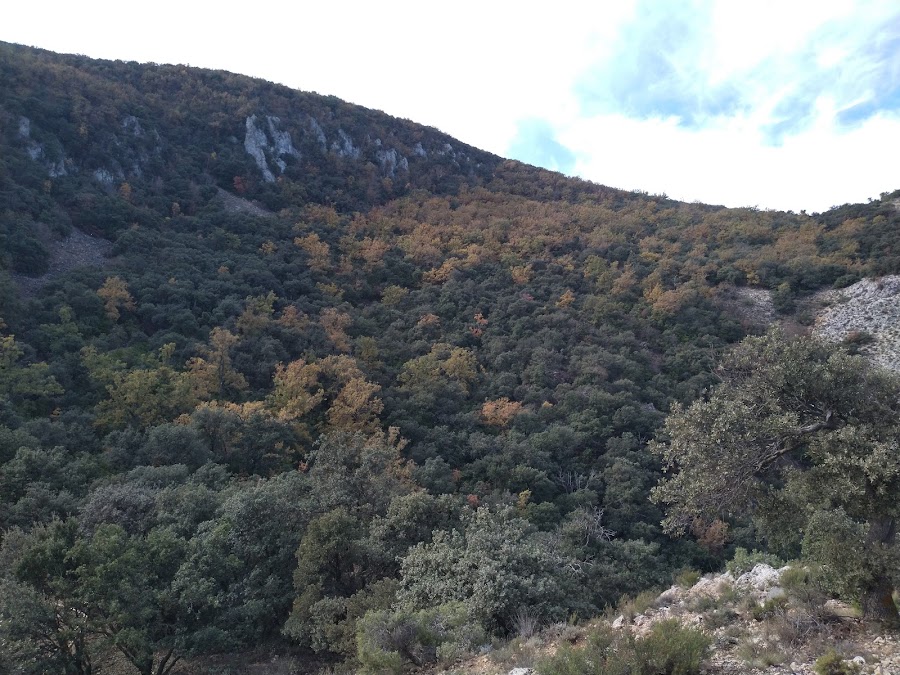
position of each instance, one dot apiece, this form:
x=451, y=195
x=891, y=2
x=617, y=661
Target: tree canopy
x=804, y=436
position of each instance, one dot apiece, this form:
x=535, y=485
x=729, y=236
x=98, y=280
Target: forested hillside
x=279, y=370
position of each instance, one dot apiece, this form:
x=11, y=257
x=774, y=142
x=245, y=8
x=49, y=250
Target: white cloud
x=729, y=164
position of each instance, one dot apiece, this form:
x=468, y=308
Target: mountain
x=281, y=373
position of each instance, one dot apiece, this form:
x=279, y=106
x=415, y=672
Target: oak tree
x=804, y=436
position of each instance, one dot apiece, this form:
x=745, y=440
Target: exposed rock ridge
x=868, y=313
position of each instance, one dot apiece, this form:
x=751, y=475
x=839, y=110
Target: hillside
x=757, y=620
x=276, y=366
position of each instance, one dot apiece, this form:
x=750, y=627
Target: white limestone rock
x=281, y=140
x=391, y=161
x=255, y=143
x=760, y=578
x=344, y=146
x=318, y=133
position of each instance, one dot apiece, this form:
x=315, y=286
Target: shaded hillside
x=329, y=352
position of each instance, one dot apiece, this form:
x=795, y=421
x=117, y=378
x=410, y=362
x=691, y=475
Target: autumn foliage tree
x=115, y=296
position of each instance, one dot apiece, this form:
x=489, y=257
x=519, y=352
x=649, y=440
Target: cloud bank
x=758, y=105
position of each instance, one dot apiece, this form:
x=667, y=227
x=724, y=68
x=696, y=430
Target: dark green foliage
x=496, y=565
x=797, y=422
x=398, y=336
x=387, y=641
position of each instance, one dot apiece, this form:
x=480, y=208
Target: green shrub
x=744, y=561
x=769, y=608
x=719, y=618
x=387, y=641
x=831, y=663
x=759, y=655
x=630, y=607
x=596, y=657
x=668, y=649
x=686, y=578
x=800, y=585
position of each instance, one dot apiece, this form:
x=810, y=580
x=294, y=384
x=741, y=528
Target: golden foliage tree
x=115, y=296
x=212, y=375
x=335, y=324
x=318, y=252
x=500, y=412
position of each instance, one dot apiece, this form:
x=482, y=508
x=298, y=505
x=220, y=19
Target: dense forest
x=312, y=373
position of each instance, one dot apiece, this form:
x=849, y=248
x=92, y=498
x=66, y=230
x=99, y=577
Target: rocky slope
x=766, y=620
x=868, y=314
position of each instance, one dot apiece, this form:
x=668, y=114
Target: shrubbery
x=387, y=641
x=744, y=561
x=669, y=648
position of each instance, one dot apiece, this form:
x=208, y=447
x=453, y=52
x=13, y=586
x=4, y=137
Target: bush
x=744, y=561
x=388, y=641
x=831, y=663
x=669, y=649
x=595, y=658
x=631, y=607
x=686, y=578
x=770, y=608
x=799, y=584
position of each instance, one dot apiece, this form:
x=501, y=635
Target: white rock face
x=35, y=150
x=57, y=169
x=869, y=306
x=759, y=579
x=281, y=143
x=711, y=587
x=318, y=133
x=255, y=143
x=104, y=176
x=132, y=125
x=391, y=161
x=344, y=146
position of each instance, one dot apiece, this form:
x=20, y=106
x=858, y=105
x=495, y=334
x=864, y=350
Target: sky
x=787, y=104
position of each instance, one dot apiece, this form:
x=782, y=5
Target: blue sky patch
x=660, y=67
x=535, y=143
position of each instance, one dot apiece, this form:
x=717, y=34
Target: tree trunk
x=877, y=601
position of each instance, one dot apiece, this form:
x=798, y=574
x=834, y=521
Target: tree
x=146, y=397
x=804, y=436
x=497, y=564
x=115, y=296
x=21, y=382
x=73, y=593
x=212, y=374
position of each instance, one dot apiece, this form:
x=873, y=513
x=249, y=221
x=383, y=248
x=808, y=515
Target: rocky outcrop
x=256, y=144
x=55, y=167
x=391, y=161
x=868, y=314
x=756, y=626
x=344, y=147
